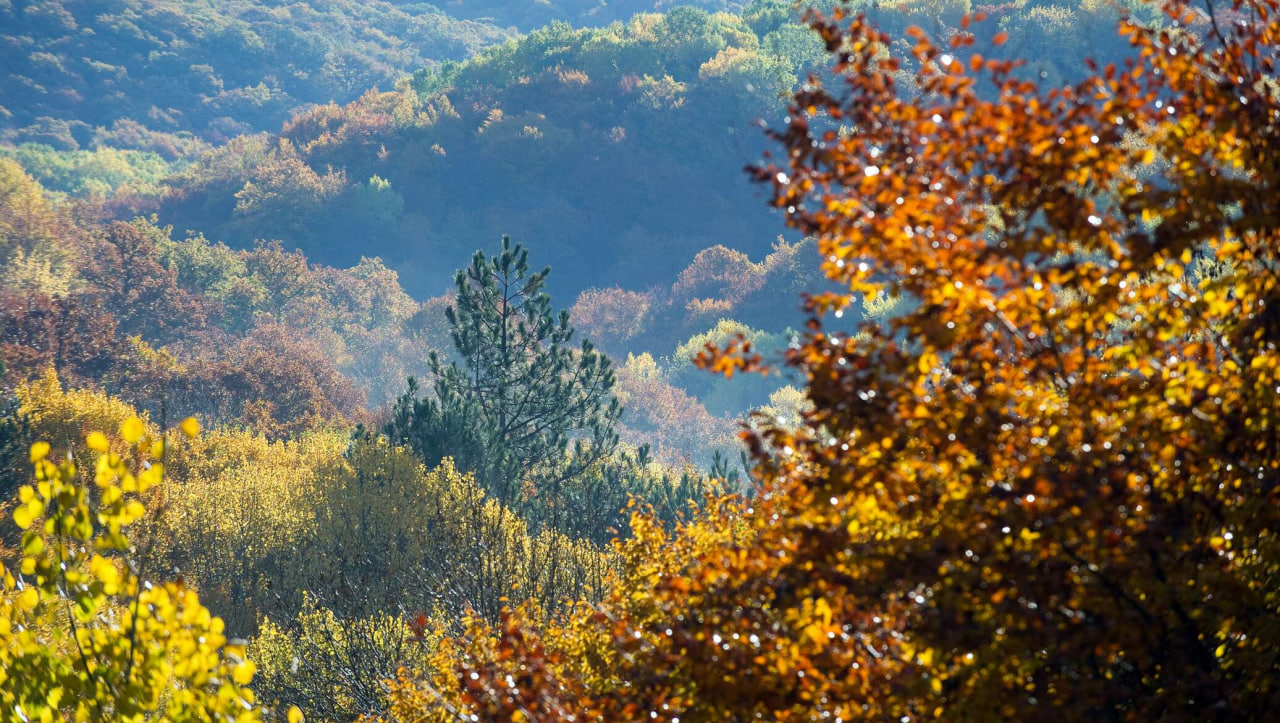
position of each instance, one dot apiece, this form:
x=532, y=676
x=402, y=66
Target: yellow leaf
x=32, y=545
x=822, y=608
x=97, y=441
x=925, y=363
x=106, y=573
x=243, y=673
x=191, y=427
x=1221, y=651
x=29, y=599
x=867, y=506
x=39, y=451
x=295, y=715
x=815, y=633
x=22, y=516
x=132, y=430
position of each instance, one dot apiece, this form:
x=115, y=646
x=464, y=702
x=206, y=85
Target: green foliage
x=765, y=16
x=717, y=335
x=518, y=392
x=379, y=203
x=726, y=394
x=794, y=44
x=212, y=69
x=221, y=274
x=98, y=173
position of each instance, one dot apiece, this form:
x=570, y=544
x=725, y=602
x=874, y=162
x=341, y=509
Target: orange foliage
x=1048, y=488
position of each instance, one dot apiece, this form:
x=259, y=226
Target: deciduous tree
x=84, y=634
x=1045, y=488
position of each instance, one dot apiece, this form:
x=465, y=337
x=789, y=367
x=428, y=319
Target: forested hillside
x=618, y=360
x=531, y=14
x=613, y=147
x=571, y=136
x=618, y=148
x=268, y=339
x=78, y=73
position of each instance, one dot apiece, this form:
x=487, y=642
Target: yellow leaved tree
x=85, y=635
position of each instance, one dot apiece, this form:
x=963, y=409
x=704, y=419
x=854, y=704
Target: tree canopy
x=518, y=405
x=1044, y=488
x=1015, y=459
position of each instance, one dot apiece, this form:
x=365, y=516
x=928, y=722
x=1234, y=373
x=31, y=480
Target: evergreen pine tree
x=520, y=405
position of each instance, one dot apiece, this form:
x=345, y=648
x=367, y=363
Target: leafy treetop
x=84, y=635
x=1046, y=486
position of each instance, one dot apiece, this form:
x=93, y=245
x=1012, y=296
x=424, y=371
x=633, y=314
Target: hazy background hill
x=617, y=152
x=317, y=171
x=87, y=73
x=529, y=14
x=76, y=71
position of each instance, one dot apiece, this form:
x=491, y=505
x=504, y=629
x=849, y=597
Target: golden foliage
x=336, y=668
x=234, y=522
x=83, y=635
x=1045, y=486
x=68, y=415
x=35, y=253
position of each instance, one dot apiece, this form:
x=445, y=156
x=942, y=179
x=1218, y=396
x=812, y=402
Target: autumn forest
x=626, y=360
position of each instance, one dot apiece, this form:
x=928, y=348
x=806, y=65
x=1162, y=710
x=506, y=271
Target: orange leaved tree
x=1046, y=487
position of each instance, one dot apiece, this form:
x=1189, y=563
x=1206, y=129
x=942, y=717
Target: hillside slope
x=215, y=68
x=82, y=73
x=616, y=151
x=530, y=14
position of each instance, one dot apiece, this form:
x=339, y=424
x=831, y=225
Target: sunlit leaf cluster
x=85, y=634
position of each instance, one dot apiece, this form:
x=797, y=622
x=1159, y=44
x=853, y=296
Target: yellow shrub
x=67, y=416
x=83, y=636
